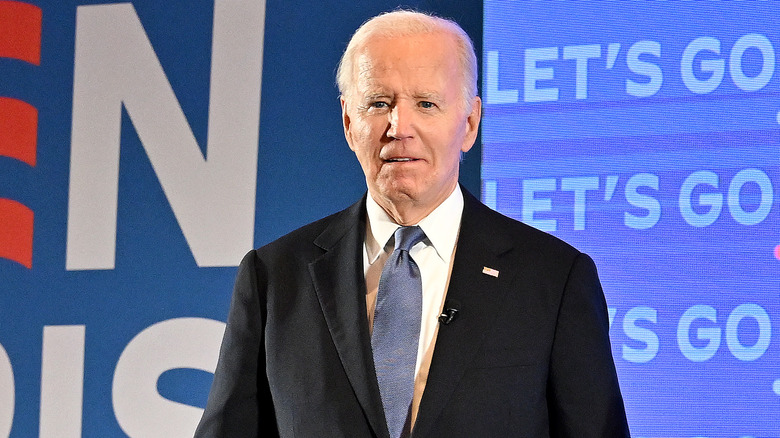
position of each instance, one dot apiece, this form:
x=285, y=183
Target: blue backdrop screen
x=145, y=147
x=648, y=135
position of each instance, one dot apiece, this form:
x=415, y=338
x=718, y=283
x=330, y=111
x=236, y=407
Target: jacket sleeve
x=240, y=403
x=583, y=392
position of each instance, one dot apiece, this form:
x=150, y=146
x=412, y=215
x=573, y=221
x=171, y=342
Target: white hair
x=405, y=23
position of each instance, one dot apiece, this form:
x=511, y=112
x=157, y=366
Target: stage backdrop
x=145, y=147
x=648, y=135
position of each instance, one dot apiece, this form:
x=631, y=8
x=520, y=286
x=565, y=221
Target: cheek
x=367, y=138
x=448, y=149
x=369, y=125
x=363, y=146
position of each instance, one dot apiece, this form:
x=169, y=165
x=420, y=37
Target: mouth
x=401, y=160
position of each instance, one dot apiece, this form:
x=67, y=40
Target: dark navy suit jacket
x=527, y=356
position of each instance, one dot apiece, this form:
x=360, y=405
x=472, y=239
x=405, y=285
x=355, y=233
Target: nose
x=400, y=122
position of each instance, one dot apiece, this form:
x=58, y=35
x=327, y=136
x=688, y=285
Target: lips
x=400, y=160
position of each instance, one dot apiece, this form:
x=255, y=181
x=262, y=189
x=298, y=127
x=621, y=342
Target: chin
x=399, y=193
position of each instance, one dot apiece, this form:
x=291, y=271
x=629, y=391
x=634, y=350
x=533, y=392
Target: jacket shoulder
x=317, y=235
x=512, y=232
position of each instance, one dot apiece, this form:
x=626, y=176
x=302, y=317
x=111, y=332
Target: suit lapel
x=339, y=281
x=479, y=297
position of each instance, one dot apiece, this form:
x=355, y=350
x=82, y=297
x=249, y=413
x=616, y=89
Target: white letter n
x=213, y=199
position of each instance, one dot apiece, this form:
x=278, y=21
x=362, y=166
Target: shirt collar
x=441, y=226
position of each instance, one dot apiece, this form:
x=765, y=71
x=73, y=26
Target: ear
x=346, y=121
x=472, y=124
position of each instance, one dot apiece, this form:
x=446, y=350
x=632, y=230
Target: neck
x=408, y=211
x=406, y=215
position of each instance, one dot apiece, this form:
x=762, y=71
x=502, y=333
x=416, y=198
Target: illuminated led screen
x=648, y=136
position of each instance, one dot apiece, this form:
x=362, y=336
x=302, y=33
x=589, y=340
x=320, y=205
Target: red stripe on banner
x=16, y=232
x=18, y=130
x=20, y=31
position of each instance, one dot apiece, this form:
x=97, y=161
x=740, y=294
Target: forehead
x=422, y=60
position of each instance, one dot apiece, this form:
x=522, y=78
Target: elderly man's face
x=405, y=119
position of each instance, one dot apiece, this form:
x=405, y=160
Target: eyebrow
x=374, y=96
x=422, y=95
x=426, y=95
x=429, y=96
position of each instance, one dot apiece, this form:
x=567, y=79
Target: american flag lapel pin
x=490, y=271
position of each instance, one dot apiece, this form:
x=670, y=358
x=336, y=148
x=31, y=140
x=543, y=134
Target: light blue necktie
x=397, y=330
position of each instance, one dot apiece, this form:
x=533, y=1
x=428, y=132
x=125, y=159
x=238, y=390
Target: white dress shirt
x=433, y=256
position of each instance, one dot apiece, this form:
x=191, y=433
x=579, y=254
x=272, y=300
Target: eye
x=427, y=105
x=379, y=104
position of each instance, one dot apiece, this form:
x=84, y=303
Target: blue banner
x=648, y=135
x=145, y=147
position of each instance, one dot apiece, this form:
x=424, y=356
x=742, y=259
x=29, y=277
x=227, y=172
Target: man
x=310, y=349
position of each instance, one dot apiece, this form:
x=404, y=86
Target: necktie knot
x=407, y=237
